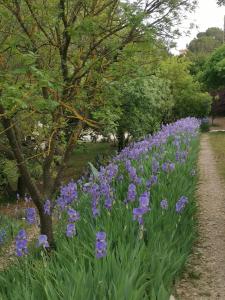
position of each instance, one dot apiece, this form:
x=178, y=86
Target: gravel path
x=205, y=274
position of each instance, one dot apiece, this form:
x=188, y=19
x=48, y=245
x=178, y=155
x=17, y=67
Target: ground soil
x=204, y=277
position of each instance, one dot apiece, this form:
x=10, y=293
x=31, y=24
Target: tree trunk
x=47, y=228
x=70, y=146
x=45, y=220
x=120, y=138
x=21, y=187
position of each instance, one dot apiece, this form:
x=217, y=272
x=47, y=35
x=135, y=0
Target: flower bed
x=126, y=233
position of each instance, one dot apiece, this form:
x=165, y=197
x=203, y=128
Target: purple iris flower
x=111, y=171
x=144, y=201
x=108, y=203
x=100, y=236
x=150, y=182
x=70, y=230
x=100, y=245
x=43, y=241
x=131, y=194
x=73, y=215
x=47, y=207
x=154, y=179
x=168, y=167
x=164, y=204
x=21, y=234
x=138, y=214
x=21, y=243
x=181, y=203
x=31, y=215
x=95, y=211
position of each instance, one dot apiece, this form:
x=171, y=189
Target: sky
x=208, y=14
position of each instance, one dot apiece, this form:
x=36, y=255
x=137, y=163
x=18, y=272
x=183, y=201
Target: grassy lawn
x=87, y=152
x=217, y=140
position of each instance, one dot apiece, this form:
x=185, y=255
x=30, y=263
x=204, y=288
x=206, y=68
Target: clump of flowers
x=21, y=243
x=74, y=216
x=31, y=215
x=132, y=172
x=142, y=209
x=101, y=244
x=68, y=194
x=168, y=167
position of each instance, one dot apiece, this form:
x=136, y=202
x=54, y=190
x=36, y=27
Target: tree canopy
x=189, y=100
x=207, y=41
x=214, y=70
x=202, y=47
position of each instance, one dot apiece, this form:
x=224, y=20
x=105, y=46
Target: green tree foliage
x=189, y=100
x=206, y=41
x=214, y=70
x=55, y=59
x=146, y=103
x=202, y=46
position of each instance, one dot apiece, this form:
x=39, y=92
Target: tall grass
x=142, y=261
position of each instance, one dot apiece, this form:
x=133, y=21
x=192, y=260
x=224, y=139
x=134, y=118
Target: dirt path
x=205, y=276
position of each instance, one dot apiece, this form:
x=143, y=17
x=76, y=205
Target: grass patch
x=217, y=140
x=87, y=152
